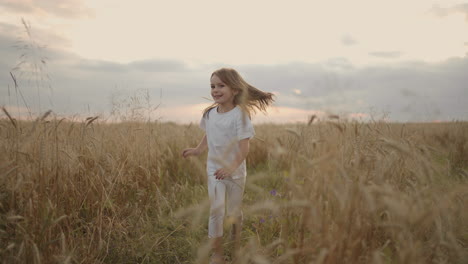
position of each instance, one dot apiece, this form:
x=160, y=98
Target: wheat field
x=328, y=191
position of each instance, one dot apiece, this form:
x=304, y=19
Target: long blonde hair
x=248, y=97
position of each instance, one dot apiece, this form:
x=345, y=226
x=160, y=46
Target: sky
x=397, y=60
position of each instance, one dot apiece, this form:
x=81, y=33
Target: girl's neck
x=224, y=108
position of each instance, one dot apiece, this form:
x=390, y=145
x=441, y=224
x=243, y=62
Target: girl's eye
x=212, y=86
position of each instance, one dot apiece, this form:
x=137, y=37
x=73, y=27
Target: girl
x=227, y=132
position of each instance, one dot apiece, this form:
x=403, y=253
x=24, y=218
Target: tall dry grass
x=328, y=192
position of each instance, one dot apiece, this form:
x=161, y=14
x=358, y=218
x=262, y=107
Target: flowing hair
x=248, y=98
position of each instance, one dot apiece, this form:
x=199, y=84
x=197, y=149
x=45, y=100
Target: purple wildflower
x=273, y=192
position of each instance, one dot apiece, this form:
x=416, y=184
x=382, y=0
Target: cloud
x=297, y=91
x=181, y=113
x=18, y=38
x=58, y=8
x=407, y=91
x=462, y=8
x=21, y=113
x=348, y=40
x=159, y=65
x=432, y=90
x=386, y=54
x=443, y=12
x=338, y=63
x=281, y=114
x=98, y=66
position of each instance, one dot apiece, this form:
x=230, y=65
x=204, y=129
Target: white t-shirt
x=223, y=133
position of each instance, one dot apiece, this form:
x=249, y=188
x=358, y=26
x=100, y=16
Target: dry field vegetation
x=329, y=191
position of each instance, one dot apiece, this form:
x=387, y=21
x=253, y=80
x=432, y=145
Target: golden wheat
x=318, y=192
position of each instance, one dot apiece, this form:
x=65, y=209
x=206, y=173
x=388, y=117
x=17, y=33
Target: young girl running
x=228, y=129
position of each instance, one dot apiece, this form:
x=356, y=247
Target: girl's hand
x=190, y=152
x=223, y=173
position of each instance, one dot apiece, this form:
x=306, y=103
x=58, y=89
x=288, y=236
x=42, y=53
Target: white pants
x=225, y=195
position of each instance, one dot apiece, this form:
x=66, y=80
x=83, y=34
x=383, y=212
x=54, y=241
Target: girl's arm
x=240, y=157
x=202, y=146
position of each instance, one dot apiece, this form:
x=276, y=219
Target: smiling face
x=222, y=94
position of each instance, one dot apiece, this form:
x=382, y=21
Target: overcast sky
x=405, y=60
